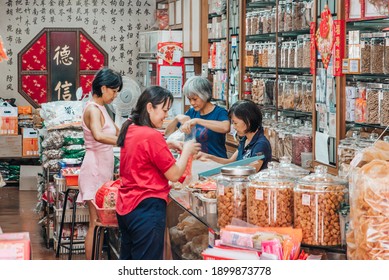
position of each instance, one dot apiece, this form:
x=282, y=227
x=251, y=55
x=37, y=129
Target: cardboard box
x=30, y=142
x=28, y=180
x=8, y=120
x=10, y=146
x=15, y=246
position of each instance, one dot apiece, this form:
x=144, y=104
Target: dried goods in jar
x=300, y=143
x=270, y=204
x=231, y=204
x=384, y=107
x=372, y=106
x=316, y=213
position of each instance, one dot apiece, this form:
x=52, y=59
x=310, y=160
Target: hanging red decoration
x=3, y=53
x=325, y=37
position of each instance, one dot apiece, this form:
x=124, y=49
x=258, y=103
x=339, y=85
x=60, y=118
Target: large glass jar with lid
x=281, y=16
x=297, y=14
x=308, y=14
x=231, y=194
x=288, y=23
x=302, y=142
x=299, y=52
x=292, y=54
x=306, y=51
x=284, y=54
x=248, y=23
x=365, y=52
x=373, y=91
x=317, y=200
x=386, y=55
x=288, y=99
x=346, y=152
x=298, y=95
x=377, y=53
x=384, y=106
x=360, y=103
x=270, y=198
x=307, y=89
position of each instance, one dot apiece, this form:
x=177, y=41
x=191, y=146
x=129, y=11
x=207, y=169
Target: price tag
x=259, y=194
x=306, y=200
x=220, y=190
x=234, y=42
x=211, y=237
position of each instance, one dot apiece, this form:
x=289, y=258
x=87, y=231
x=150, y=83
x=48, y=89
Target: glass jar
x=284, y=54
x=270, y=198
x=271, y=55
x=288, y=98
x=266, y=21
x=308, y=14
x=265, y=55
x=360, y=104
x=248, y=23
x=372, y=103
x=386, y=55
x=299, y=52
x=231, y=194
x=377, y=53
x=288, y=23
x=306, y=51
x=297, y=14
x=249, y=54
x=280, y=96
x=298, y=95
x=302, y=142
x=260, y=23
x=307, y=89
x=292, y=54
x=346, y=153
x=317, y=200
x=273, y=26
x=384, y=105
x=254, y=23
x=365, y=52
x=256, y=55
x=281, y=16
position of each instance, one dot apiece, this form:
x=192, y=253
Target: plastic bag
x=177, y=135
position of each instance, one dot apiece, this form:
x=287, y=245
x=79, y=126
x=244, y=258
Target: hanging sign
x=170, y=53
x=313, y=48
x=325, y=36
x=339, y=34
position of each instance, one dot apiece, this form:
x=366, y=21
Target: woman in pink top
x=100, y=134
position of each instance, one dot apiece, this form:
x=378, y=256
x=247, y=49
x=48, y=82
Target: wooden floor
x=17, y=215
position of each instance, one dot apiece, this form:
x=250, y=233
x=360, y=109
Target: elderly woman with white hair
x=210, y=121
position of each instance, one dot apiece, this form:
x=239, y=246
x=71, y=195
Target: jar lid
x=286, y=167
x=321, y=177
x=238, y=171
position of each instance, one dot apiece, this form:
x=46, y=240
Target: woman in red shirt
x=146, y=166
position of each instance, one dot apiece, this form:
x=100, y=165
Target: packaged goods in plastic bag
x=61, y=113
x=368, y=237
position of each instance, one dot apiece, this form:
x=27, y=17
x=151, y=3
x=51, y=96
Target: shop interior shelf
x=368, y=24
x=354, y=124
x=262, y=4
x=212, y=15
x=211, y=40
x=367, y=77
x=280, y=70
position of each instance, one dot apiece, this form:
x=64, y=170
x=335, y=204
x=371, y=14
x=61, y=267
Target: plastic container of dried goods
x=292, y=54
x=306, y=51
x=297, y=14
x=288, y=24
x=270, y=198
x=307, y=89
x=346, y=152
x=231, y=194
x=365, y=52
x=281, y=16
x=372, y=103
x=298, y=95
x=299, y=52
x=317, y=200
x=386, y=55
x=308, y=14
x=384, y=105
x=301, y=142
x=377, y=53
x=206, y=209
x=284, y=54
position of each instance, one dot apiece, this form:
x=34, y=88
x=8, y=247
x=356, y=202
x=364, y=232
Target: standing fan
x=125, y=101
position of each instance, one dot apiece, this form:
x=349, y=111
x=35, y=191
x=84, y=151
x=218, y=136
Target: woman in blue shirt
x=210, y=121
x=246, y=119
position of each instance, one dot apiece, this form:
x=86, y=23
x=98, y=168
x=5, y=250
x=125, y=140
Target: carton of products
x=8, y=120
x=15, y=246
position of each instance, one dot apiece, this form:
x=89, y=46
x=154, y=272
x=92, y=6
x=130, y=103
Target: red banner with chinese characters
x=313, y=48
x=339, y=35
